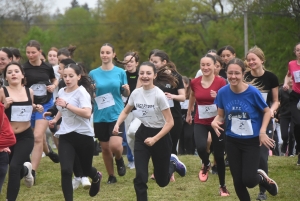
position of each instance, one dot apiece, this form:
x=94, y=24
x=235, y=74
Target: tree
x=74, y=4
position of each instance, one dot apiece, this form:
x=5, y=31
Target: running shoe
x=53, y=156
x=268, y=183
x=261, y=196
x=95, y=186
x=121, y=167
x=214, y=169
x=76, y=182
x=223, y=191
x=28, y=179
x=85, y=182
x=131, y=165
x=111, y=180
x=179, y=166
x=203, y=174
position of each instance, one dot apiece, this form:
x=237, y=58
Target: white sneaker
x=131, y=165
x=76, y=182
x=85, y=182
x=28, y=179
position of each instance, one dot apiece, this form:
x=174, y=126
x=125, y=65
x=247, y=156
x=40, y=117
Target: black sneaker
x=121, y=167
x=95, y=186
x=111, y=179
x=53, y=156
x=214, y=169
x=268, y=183
x=298, y=162
x=261, y=196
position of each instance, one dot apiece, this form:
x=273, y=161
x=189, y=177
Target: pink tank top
x=294, y=70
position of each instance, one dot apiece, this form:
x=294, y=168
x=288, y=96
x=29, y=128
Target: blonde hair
x=259, y=53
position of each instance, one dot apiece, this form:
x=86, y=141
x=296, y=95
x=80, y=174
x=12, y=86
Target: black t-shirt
x=131, y=80
x=266, y=82
x=39, y=75
x=166, y=87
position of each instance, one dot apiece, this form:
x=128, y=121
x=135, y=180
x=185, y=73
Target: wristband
x=66, y=105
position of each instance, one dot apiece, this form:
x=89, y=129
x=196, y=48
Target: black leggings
x=72, y=144
x=243, y=155
x=294, y=99
x=187, y=144
x=19, y=155
x=287, y=133
x=175, y=133
x=160, y=153
x=200, y=135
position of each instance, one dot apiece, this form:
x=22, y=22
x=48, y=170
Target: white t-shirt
x=57, y=76
x=71, y=122
x=199, y=73
x=149, y=104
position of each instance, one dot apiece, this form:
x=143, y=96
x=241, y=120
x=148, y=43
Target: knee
x=14, y=169
x=162, y=183
x=66, y=171
x=250, y=182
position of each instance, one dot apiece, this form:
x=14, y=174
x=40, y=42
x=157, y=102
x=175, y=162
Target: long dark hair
x=85, y=80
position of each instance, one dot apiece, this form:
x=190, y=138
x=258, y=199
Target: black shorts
x=103, y=130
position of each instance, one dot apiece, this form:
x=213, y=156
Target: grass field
x=48, y=188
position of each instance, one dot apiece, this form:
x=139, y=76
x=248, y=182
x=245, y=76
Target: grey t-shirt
x=149, y=105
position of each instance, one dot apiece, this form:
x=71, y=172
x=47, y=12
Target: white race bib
x=207, y=111
x=184, y=105
x=104, y=101
x=264, y=95
x=241, y=127
x=297, y=76
x=171, y=102
x=21, y=113
x=146, y=115
x=39, y=89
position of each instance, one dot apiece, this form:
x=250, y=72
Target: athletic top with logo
x=19, y=111
x=149, y=105
x=243, y=111
x=166, y=87
x=294, y=70
x=206, y=110
x=108, y=102
x=72, y=122
x=266, y=82
x=37, y=78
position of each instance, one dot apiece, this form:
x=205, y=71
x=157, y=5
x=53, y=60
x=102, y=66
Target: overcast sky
x=63, y=4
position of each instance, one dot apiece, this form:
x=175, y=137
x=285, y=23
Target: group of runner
x=232, y=105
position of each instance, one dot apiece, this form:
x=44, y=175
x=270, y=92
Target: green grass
x=48, y=188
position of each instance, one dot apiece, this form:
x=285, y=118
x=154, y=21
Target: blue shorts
x=39, y=115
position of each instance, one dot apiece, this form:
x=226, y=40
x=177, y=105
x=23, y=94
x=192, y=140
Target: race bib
x=39, y=89
x=21, y=113
x=241, y=127
x=297, y=76
x=207, y=111
x=184, y=105
x=104, y=101
x=264, y=95
x=171, y=102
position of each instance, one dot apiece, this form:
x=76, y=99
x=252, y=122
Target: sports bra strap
x=5, y=92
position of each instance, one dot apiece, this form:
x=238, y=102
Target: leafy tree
x=74, y=4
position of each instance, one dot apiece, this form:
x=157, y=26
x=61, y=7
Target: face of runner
x=235, y=75
x=254, y=62
x=52, y=57
x=158, y=63
x=227, y=56
x=218, y=67
x=207, y=66
x=146, y=76
x=4, y=60
x=131, y=65
x=33, y=54
x=297, y=51
x=70, y=77
x=107, y=54
x=14, y=75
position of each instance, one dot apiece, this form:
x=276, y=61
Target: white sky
x=63, y=4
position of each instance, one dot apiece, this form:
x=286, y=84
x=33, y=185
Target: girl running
x=75, y=132
x=19, y=106
x=110, y=83
x=152, y=139
x=204, y=92
x=246, y=116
